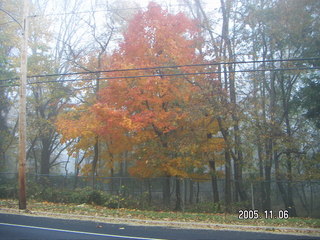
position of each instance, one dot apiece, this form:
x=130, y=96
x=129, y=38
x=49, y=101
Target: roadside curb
x=172, y=224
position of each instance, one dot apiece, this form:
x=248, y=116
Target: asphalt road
x=20, y=227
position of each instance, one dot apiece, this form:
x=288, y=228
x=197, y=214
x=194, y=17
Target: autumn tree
x=221, y=45
x=276, y=29
x=45, y=99
x=155, y=108
x=169, y=119
x=90, y=56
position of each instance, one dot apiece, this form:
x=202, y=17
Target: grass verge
x=99, y=211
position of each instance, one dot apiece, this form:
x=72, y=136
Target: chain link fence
x=192, y=193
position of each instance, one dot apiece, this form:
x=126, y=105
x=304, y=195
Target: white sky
x=52, y=6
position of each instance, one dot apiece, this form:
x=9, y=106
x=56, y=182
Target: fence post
x=183, y=199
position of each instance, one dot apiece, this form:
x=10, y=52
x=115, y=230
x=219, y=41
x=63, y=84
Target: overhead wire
x=175, y=66
x=180, y=66
x=12, y=17
x=176, y=74
x=166, y=75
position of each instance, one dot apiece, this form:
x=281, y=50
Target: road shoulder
x=172, y=224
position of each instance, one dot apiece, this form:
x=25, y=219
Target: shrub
x=96, y=197
x=8, y=191
x=205, y=207
x=113, y=201
x=236, y=206
x=78, y=196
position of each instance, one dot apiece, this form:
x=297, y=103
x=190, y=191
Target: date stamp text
x=267, y=214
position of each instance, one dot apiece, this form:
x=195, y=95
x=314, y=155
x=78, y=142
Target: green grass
x=99, y=211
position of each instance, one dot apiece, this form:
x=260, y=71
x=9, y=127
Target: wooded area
x=183, y=90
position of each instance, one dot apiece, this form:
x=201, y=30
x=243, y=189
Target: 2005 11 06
x=267, y=214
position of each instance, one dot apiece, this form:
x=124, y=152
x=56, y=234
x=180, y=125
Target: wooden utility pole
x=22, y=110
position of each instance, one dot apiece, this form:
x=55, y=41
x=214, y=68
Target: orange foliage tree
x=159, y=114
x=152, y=108
x=80, y=125
x=155, y=104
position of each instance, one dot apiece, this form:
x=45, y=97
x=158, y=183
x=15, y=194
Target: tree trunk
x=76, y=178
x=291, y=205
x=214, y=181
x=286, y=195
x=269, y=141
x=198, y=193
x=178, y=194
x=112, y=180
x=258, y=87
x=228, y=54
x=227, y=190
x=285, y=94
x=191, y=191
x=95, y=162
x=267, y=170
x=262, y=189
x=149, y=191
x=166, y=191
x=2, y=157
x=267, y=187
x=45, y=156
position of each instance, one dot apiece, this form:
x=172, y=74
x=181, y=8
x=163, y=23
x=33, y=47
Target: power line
x=180, y=66
x=167, y=75
x=12, y=17
x=179, y=74
x=172, y=66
